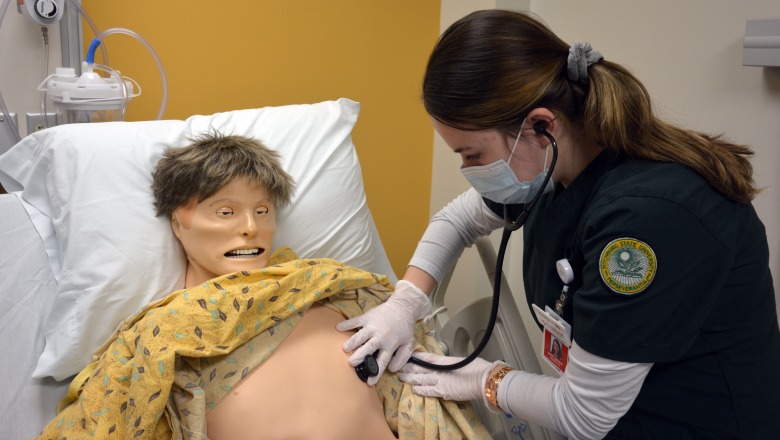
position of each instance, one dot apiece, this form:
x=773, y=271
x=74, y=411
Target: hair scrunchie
x=581, y=55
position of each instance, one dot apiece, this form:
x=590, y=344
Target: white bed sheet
x=27, y=288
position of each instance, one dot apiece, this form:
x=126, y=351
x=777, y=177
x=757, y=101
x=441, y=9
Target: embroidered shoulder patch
x=627, y=266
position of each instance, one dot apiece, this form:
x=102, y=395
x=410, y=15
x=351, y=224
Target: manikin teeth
x=243, y=253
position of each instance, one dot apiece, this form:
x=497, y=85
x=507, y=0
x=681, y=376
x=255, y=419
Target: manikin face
x=228, y=232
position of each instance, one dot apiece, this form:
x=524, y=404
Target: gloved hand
x=388, y=328
x=467, y=383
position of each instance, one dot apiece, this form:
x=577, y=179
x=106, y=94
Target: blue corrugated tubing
x=91, y=51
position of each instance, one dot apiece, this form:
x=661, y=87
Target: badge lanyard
x=557, y=332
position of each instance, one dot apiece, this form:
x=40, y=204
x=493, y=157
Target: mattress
x=27, y=287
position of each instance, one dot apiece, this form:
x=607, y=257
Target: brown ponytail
x=491, y=68
x=618, y=114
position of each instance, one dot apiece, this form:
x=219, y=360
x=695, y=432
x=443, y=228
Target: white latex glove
x=389, y=328
x=467, y=383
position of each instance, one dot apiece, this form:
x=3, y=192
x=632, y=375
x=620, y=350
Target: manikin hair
x=212, y=161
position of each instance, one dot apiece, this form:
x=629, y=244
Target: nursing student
x=644, y=254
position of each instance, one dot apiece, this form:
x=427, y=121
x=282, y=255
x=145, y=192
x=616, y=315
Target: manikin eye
x=224, y=212
x=261, y=211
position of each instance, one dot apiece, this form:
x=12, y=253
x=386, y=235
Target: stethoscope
x=370, y=366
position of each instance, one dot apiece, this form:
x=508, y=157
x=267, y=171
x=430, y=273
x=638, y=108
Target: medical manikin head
x=221, y=194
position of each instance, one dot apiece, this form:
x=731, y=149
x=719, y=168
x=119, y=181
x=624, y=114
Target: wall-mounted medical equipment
x=43, y=12
x=94, y=98
x=89, y=96
x=761, y=46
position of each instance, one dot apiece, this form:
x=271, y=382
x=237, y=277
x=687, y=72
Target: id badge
x=557, y=338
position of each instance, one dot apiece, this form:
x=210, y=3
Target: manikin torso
x=306, y=389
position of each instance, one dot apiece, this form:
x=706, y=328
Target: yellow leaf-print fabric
x=147, y=380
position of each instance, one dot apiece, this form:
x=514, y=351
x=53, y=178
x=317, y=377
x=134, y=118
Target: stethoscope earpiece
x=540, y=127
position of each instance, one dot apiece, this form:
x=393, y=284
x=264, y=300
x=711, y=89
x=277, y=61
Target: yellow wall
x=231, y=54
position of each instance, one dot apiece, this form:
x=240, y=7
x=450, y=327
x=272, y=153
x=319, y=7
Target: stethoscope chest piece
x=367, y=368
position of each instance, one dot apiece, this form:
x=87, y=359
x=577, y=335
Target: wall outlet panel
x=7, y=135
x=36, y=121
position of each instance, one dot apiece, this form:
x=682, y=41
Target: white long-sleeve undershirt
x=455, y=227
x=585, y=403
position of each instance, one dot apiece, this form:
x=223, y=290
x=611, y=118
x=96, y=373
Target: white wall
x=21, y=68
x=688, y=54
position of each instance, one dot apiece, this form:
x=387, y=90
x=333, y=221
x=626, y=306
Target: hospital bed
x=77, y=235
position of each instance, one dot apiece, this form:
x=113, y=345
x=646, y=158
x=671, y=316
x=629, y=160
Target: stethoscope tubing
x=509, y=227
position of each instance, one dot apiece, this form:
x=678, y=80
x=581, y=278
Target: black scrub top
x=667, y=271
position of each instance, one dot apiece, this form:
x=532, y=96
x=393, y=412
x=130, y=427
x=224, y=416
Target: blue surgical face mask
x=497, y=181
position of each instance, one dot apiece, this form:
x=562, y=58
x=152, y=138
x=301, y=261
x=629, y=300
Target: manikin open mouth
x=244, y=253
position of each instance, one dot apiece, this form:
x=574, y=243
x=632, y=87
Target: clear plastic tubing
x=77, y=6
x=96, y=42
x=3, y=107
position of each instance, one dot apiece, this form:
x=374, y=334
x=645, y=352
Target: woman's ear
x=542, y=119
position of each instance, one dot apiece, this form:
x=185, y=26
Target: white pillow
x=93, y=182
